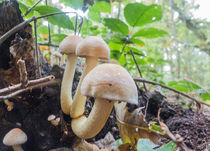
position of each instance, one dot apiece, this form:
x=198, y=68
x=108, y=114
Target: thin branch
x=23, y=24
x=138, y=68
x=23, y=73
x=26, y=89
x=75, y=28
x=16, y=87
x=30, y=9
x=36, y=49
x=15, y=29
x=181, y=93
x=48, y=44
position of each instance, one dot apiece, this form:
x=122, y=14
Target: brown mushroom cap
x=93, y=47
x=112, y=82
x=15, y=137
x=69, y=44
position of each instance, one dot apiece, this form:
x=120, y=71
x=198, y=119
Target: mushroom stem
x=88, y=127
x=78, y=106
x=66, y=86
x=17, y=148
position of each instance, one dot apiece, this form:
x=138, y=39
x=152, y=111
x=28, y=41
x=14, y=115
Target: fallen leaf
x=108, y=142
x=132, y=125
x=82, y=145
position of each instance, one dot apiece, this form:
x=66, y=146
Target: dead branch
x=198, y=102
x=23, y=73
x=31, y=83
x=38, y=85
x=23, y=24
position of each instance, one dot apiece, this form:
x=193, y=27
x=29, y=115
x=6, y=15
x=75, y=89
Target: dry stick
x=25, y=89
x=163, y=86
x=75, y=28
x=138, y=68
x=23, y=24
x=47, y=44
x=23, y=73
x=80, y=25
x=28, y=11
x=176, y=139
x=30, y=83
x=36, y=49
x=15, y=29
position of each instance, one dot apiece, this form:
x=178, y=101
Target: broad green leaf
x=60, y=20
x=58, y=37
x=171, y=146
x=183, y=85
x=23, y=7
x=43, y=29
x=205, y=96
x=145, y=145
x=122, y=60
x=138, y=14
x=137, y=41
x=135, y=51
x=155, y=127
x=116, y=25
x=94, y=15
x=76, y=4
x=115, y=54
x=102, y=6
x=150, y=33
x=115, y=46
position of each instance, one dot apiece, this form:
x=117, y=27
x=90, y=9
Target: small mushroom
x=92, y=48
x=68, y=46
x=9, y=104
x=58, y=57
x=15, y=138
x=108, y=83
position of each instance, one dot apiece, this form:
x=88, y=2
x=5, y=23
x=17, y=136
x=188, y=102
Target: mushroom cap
x=69, y=44
x=93, y=46
x=110, y=81
x=15, y=137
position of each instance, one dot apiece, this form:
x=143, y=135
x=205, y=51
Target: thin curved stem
x=78, y=106
x=88, y=127
x=66, y=86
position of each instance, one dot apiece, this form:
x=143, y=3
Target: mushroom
x=58, y=57
x=92, y=48
x=68, y=46
x=108, y=83
x=15, y=138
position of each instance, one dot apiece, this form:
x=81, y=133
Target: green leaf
x=43, y=29
x=155, y=127
x=150, y=33
x=60, y=20
x=23, y=7
x=137, y=41
x=102, y=6
x=94, y=15
x=205, y=96
x=115, y=46
x=58, y=37
x=122, y=60
x=145, y=145
x=171, y=146
x=135, y=51
x=138, y=14
x=183, y=85
x=116, y=25
x=76, y=4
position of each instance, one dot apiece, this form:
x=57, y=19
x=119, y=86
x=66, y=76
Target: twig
x=75, y=28
x=138, y=68
x=30, y=9
x=80, y=25
x=38, y=85
x=36, y=49
x=23, y=73
x=16, y=87
x=166, y=87
x=15, y=29
x=23, y=24
x=176, y=139
x=48, y=44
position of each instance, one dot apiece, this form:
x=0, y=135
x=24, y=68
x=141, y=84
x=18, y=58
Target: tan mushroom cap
x=112, y=82
x=69, y=44
x=15, y=137
x=93, y=46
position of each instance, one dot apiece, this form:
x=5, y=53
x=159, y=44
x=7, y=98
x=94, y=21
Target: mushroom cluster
x=107, y=83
